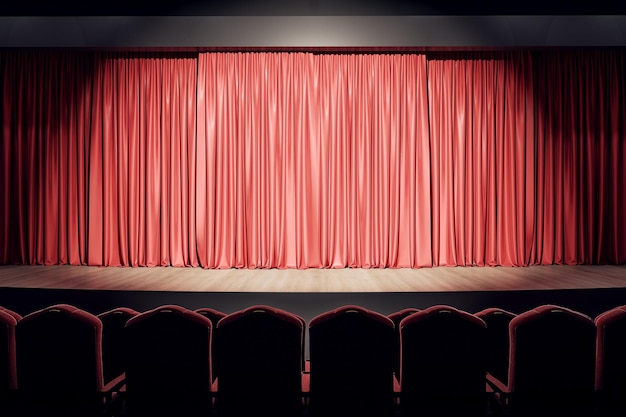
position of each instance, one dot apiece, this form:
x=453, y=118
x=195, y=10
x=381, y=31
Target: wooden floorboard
x=436, y=279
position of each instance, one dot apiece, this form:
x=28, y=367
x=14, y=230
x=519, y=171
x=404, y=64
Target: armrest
x=501, y=392
x=306, y=388
x=114, y=386
x=306, y=384
x=112, y=395
x=397, y=390
x=215, y=391
x=497, y=385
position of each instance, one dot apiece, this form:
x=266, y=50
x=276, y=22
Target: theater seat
x=59, y=363
x=8, y=372
x=396, y=318
x=497, y=321
x=168, y=363
x=551, y=364
x=113, y=344
x=352, y=360
x=258, y=356
x=611, y=360
x=443, y=368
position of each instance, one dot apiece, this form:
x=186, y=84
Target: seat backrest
x=215, y=316
x=258, y=359
x=552, y=356
x=168, y=358
x=59, y=356
x=352, y=361
x=443, y=361
x=611, y=352
x=8, y=375
x=396, y=318
x=113, y=346
x=497, y=320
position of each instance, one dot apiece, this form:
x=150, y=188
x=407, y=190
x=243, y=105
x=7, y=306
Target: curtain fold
x=581, y=157
x=376, y=164
x=300, y=159
x=46, y=120
x=142, y=188
x=480, y=108
x=312, y=160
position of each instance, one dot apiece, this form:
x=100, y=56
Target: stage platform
x=436, y=279
x=588, y=289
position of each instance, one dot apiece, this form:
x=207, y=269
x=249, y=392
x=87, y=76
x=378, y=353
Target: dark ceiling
x=308, y=7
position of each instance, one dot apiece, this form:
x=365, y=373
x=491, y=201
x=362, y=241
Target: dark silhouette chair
x=59, y=363
x=443, y=367
x=8, y=369
x=610, y=379
x=113, y=344
x=352, y=361
x=551, y=364
x=168, y=363
x=497, y=321
x=258, y=357
x=396, y=317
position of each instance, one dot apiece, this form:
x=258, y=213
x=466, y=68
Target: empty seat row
x=436, y=361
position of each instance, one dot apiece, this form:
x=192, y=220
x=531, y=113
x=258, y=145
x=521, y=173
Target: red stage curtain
x=98, y=156
x=45, y=157
x=482, y=152
x=142, y=177
x=312, y=161
x=300, y=160
x=580, y=112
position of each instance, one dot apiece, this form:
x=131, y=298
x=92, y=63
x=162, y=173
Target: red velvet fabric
x=441, y=309
x=443, y=363
x=214, y=315
x=372, y=315
x=281, y=314
x=113, y=343
x=258, y=361
x=610, y=317
x=498, y=342
x=188, y=315
x=77, y=315
x=312, y=160
x=352, y=363
x=9, y=380
x=397, y=316
x=529, y=317
x=14, y=314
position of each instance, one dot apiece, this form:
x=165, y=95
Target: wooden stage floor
x=436, y=279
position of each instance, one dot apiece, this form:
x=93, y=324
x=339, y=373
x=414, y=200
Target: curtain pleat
x=580, y=118
x=143, y=175
x=46, y=120
x=312, y=160
x=480, y=109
